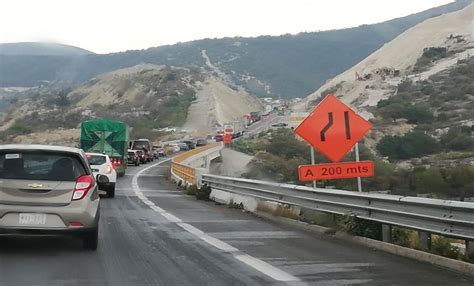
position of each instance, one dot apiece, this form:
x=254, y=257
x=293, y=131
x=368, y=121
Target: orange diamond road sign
x=333, y=128
x=336, y=171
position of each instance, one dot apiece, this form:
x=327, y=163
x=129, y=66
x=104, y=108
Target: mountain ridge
x=41, y=49
x=287, y=66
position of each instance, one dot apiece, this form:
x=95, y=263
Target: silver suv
x=48, y=190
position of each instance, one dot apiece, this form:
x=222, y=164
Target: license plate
x=32, y=219
x=95, y=170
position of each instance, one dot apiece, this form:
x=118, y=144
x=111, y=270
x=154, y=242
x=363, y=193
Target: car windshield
x=140, y=145
x=38, y=165
x=96, y=159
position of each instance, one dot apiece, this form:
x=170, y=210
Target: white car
x=176, y=147
x=101, y=164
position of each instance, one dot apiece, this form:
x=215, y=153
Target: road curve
x=152, y=234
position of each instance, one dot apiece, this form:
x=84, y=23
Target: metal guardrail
x=185, y=172
x=448, y=218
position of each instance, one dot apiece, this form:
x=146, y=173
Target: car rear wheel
x=91, y=239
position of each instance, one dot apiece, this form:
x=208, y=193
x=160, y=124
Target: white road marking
x=257, y=264
x=164, y=196
x=249, y=235
x=264, y=267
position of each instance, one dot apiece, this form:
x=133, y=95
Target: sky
x=105, y=26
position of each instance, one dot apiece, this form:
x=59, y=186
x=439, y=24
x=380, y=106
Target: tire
x=91, y=239
x=111, y=191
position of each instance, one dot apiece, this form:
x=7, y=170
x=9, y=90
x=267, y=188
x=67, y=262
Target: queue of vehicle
x=54, y=190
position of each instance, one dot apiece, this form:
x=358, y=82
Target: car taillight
x=108, y=170
x=82, y=187
x=75, y=224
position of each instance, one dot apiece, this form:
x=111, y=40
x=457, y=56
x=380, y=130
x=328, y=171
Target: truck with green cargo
x=107, y=137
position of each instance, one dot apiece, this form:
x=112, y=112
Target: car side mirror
x=102, y=179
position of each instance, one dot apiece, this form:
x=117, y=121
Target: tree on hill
x=458, y=139
x=411, y=145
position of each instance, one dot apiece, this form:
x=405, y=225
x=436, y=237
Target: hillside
x=403, y=52
x=418, y=92
x=217, y=103
x=147, y=97
x=288, y=65
x=41, y=49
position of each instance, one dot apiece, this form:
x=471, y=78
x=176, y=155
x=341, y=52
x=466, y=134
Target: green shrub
x=283, y=143
x=405, y=86
x=170, y=75
x=461, y=180
x=245, y=146
x=458, y=139
x=19, y=128
x=429, y=181
x=191, y=190
x=427, y=89
x=442, y=246
x=469, y=257
x=417, y=114
x=361, y=227
x=411, y=145
x=203, y=193
x=430, y=55
x=404, y=237
x=395, y=108
x=61, y=98
x=265, y=166
x=442, y=117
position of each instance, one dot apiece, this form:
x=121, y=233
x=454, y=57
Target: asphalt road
x=152, y=234
x=264, y=124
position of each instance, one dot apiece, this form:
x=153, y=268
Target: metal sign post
x=312, y=163
x=359, y=181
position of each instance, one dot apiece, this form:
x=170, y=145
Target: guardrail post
x=387, y=233
x=207, y=162
x=199, y=173
x=469, y=247
x=425, y=240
